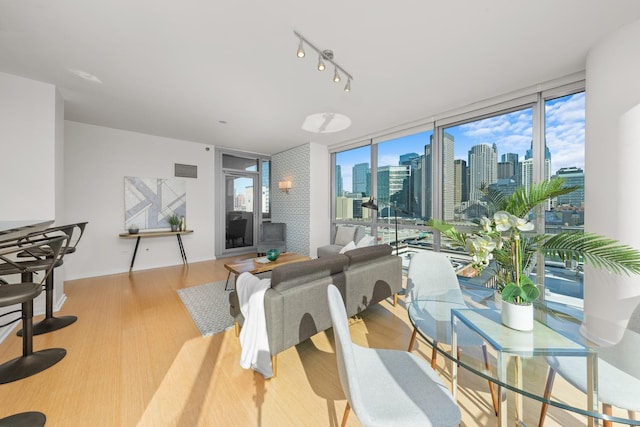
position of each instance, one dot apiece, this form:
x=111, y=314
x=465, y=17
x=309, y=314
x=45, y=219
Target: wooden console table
x=137, y=236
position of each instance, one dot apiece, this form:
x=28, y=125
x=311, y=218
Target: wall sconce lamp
x=325, y=55
x=285, y=186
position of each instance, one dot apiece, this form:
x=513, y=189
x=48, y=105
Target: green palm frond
x=449, y=231
x=522, y=201
x=599, y=251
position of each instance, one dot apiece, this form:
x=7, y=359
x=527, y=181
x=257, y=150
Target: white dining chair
x=387, y=387
x=618, y=373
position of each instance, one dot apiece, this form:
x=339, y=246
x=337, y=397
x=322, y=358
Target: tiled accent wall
x=293, y=208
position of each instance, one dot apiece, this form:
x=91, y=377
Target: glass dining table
x=468, y=320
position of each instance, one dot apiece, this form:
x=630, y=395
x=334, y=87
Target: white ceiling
x=179, y=68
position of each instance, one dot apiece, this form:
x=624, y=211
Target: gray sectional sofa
x=296, y=304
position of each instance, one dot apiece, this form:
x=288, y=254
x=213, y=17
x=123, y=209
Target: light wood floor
x=134, y=357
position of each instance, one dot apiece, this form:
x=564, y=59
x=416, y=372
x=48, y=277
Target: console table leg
x=182, y=252
x=135, y=251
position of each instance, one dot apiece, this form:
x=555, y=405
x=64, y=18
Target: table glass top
x=555, y=341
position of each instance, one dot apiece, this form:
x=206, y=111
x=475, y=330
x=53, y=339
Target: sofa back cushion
x=290, y=275
x=368, y=253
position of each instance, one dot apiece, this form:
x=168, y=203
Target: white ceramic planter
x=518, y=317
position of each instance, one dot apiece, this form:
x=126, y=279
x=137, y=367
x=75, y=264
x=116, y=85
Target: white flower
x=503, y=220
x=523, y=225
x=485, y=223
x=480, y=249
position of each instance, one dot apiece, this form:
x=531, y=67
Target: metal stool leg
x=30, y=362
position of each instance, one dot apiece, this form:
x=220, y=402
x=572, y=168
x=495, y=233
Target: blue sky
x=512, y=133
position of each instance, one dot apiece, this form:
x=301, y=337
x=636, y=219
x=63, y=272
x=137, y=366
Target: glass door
x=239, y=196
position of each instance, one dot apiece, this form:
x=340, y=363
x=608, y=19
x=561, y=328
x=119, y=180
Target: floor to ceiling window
x=437, y=171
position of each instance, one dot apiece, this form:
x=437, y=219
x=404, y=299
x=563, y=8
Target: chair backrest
x=274, y=231
x=344, y=346
x=634, y=320
x=431, y=273
x=343, y=234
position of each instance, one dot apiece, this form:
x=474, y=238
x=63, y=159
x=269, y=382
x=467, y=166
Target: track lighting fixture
x=324, y=56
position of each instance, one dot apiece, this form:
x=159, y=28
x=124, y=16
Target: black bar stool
x=24, y=293
x=50, y=322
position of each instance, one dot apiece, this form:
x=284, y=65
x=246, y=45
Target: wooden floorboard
x=135, y=358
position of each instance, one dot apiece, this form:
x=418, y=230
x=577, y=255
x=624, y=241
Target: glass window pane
x=495, y=151
x=353, y=184
x=239, y=163
x=266, y=179
x=564, y=135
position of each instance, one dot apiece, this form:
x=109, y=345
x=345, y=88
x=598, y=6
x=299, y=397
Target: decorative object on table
x=174, y=222
x=183, y=224
x=133, y=229
x=508, y=240
x=273, y=254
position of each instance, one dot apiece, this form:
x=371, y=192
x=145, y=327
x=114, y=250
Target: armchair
x=273, y=235
x=342, y=234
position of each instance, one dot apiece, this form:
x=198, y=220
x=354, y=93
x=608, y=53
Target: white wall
x=27, y=141
x=96, y=161
x=611, y=178
x=30, y=140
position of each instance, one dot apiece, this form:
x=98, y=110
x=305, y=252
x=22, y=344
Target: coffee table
x=253, y=265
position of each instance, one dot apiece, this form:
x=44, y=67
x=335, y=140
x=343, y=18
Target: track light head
x=300, y=51
x=321, y=66
x=336, y=76
x=347, y=87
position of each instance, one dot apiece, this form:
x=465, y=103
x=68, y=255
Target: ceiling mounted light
x=321, y=65
x=324, y=55
x=336, y=76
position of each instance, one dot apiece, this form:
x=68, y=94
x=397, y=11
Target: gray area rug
x=208, y=305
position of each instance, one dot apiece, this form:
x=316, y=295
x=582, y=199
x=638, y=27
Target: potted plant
x=508, y=241
x=174, y=222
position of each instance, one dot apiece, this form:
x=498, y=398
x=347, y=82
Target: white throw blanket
x=253, y=336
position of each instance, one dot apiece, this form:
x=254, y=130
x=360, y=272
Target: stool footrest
x=51, y=324
x=24, y=419
x=25, y=366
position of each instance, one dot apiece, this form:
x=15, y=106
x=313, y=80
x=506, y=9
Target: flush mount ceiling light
x=84, y=75
x=326, y=123
x=324, y=56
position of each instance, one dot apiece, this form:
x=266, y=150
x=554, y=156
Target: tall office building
x=425, y=182
x=483, y=169
x=411, y=188
x=508, y=166
x=360, y=179
x=339, y=186
x=527, y=179
x=448, y=177
x=390, y=185
x=574, y=177
x=460, y=182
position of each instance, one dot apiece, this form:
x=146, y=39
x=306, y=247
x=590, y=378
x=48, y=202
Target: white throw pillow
x=344, y=235
x=365, y=241
x=349, y=246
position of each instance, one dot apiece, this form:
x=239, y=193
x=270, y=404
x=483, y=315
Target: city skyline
x=511, y=133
